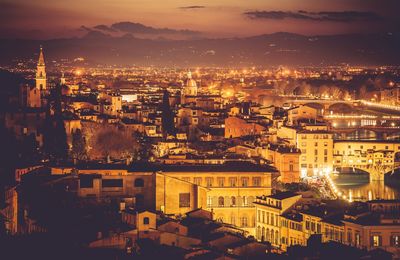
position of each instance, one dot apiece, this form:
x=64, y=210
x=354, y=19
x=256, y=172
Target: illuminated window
x=395, y=240
x=146, y=221
x=376, y=240
x=357, y=239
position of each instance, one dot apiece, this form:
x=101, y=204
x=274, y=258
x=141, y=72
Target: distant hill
x=267, y=50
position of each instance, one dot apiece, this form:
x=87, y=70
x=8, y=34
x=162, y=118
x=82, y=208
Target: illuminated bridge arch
x=376, y=173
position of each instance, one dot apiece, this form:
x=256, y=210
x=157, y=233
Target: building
x=30, y=97
x=41, y=79
x=379, y=227
x=316, y=152
x=237, y=127
x=286, y=160
x=301, y=112
x=269, y=210
x=189, y=92
x=364, y=153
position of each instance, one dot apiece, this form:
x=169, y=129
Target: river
x=358, y=187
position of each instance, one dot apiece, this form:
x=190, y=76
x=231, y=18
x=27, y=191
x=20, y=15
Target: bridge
x=380, y=131
x=376, y=172
x=326, y=104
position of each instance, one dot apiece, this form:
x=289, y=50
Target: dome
x=191, y=83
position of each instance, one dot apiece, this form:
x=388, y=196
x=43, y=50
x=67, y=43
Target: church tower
x=41, y=80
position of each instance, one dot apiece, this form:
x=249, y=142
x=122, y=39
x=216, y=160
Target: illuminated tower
x=41, y=80
x=62, y=80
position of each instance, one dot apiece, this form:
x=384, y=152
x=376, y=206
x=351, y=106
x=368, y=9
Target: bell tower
x=41, y=80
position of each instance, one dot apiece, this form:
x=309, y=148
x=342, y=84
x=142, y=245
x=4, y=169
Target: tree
x=55, y=136
x=78, y=150
x=116, y=143
x=168, y=126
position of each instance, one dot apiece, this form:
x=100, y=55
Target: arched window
x=272, y=236
x=267, y=235
x=263, y=234
x=233, y=201
x=146, y=221
x=139, y=182
x=220, y=201
x=276, y=237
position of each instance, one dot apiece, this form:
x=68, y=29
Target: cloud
x=332, y=16
x=103, y=27
x=130, y=27
x=192, y=7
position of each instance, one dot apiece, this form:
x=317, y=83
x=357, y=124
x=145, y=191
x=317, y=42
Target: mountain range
x=98, y=47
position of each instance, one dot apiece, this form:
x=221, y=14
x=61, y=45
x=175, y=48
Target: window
x=349, y=235
x=316, y=144
x=257, y=181
x=139, y=182
x=395, y=240
x=243, y=221
x=220, y=181
x=318, y=228
x=291, y=167
x=184, y=200
x=209, y=181
x=209, y=201
x=245, y=202
x=376, y=240
x=146, y=221
x=220, y=201
x=245, y=182
x=357, y=239
x=325, y=151
x=197, y=180
x=232, y=182
x=86, y=181
x=112, y=183
x=233, y=201
x=307, y=225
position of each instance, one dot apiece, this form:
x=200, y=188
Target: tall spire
x=41, y=80
x=41, y=57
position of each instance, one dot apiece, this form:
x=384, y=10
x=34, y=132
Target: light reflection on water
x=357, y=187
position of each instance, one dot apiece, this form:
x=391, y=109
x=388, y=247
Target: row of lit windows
x=221, y=181
x=267, y=218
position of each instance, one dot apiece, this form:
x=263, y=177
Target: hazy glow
x=217, y=18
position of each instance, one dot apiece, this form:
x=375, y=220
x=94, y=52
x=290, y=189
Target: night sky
x=44, y=19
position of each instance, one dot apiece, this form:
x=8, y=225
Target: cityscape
x=200, y=129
